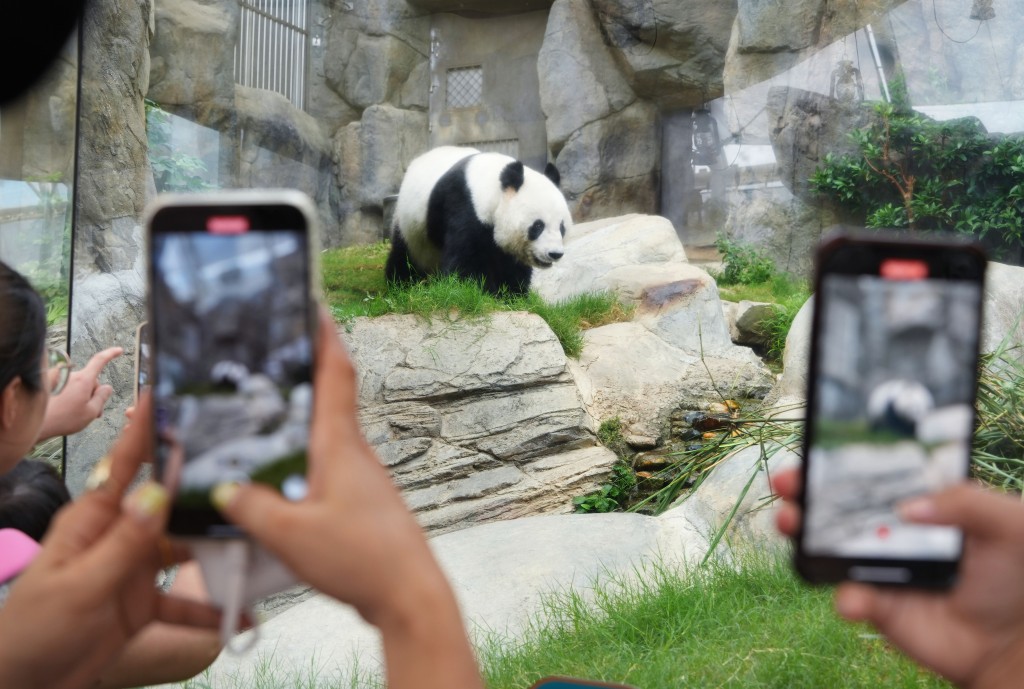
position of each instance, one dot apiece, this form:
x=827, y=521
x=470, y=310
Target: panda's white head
x=531, y=217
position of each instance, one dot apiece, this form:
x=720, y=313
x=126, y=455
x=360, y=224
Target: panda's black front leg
x=399, y=267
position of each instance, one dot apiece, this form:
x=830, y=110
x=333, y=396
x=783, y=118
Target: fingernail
x=100, y=473
x=147, y=502
x=223, y=493
x=917, y=510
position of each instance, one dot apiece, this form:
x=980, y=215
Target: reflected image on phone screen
x=233, y=364
x=893, y=410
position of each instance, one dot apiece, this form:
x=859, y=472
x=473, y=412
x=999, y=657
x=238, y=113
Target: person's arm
x=353, y=538
x=82, y=400
x=972, y=634
x=164, y=653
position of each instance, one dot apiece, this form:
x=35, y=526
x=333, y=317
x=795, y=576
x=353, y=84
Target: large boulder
x=673, y=52
x=371, y=156
x=192, y=41
x=1003, y=325
x=574, y=52
x=677, y=351
x=477, y=420
x=610, y=166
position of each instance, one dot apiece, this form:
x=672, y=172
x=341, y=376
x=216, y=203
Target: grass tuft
x=354, y=285
x=718, y=625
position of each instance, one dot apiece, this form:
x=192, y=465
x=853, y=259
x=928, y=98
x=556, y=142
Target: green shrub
x=916, y=173
x=742, y=263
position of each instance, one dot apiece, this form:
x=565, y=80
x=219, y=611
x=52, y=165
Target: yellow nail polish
x=148, y=501
x=100, y=473
x=222, y=494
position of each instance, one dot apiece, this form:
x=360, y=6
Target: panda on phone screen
x=898, y=405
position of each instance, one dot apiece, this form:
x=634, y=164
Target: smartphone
x=573, y=683
x=890, y=406
x=141, y=360
x=232, y=322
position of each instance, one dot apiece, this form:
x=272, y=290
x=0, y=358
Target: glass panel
x=37, y=158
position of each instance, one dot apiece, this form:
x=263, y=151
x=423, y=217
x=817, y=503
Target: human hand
x=82, y=400
x=353, y=538
x=972, y=634
x=91, y=587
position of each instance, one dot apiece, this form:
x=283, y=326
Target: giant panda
x=482, y=216
x=897, y=405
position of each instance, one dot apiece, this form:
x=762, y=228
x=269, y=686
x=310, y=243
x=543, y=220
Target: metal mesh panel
x=272, y=50
x=509, y=147
x=465, y=87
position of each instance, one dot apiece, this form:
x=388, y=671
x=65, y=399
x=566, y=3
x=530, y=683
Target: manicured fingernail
x=917, y=510
x=148, y=501
x=223, y=494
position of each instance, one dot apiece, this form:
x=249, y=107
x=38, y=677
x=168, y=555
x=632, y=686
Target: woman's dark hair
x=22, y=330
x=30, y=494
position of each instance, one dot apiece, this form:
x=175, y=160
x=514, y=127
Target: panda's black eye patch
x=536, y=229
x=561, y=227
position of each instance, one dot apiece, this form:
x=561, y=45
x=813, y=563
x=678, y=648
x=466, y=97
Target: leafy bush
x=743, y=263
x=173, y=171
x=915, y=173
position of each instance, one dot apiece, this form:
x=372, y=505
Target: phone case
x=237, y=213
x=558, y=682
x=892, y=347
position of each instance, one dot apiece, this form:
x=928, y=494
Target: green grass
x=354, y=285
x=786, y=292
x=751, y=626
x=998, y=457
x=756, y=626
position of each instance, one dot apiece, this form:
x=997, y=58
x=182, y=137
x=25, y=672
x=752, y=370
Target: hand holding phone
x=893, y=373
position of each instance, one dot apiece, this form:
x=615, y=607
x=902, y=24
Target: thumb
x=260, y=511
x=99, y=399
x=121, y=549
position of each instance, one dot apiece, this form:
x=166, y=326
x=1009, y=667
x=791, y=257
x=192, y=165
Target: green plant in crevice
x=750, y=275
x=612, y=496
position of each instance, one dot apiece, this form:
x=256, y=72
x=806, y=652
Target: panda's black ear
x=551, y=172
x=512, y=176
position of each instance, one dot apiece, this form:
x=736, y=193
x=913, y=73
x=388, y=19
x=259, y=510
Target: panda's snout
x=545, y=259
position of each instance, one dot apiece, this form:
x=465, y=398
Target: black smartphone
x=232, y=323
x=141, y=360
x=890, y=406
x=556, y=682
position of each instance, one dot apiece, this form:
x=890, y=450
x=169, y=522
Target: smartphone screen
x=890, y=407
x=232, y=360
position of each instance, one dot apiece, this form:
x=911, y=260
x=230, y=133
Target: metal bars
x=272, y=52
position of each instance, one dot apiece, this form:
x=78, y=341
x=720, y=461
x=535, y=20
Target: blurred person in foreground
x=89, y=592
